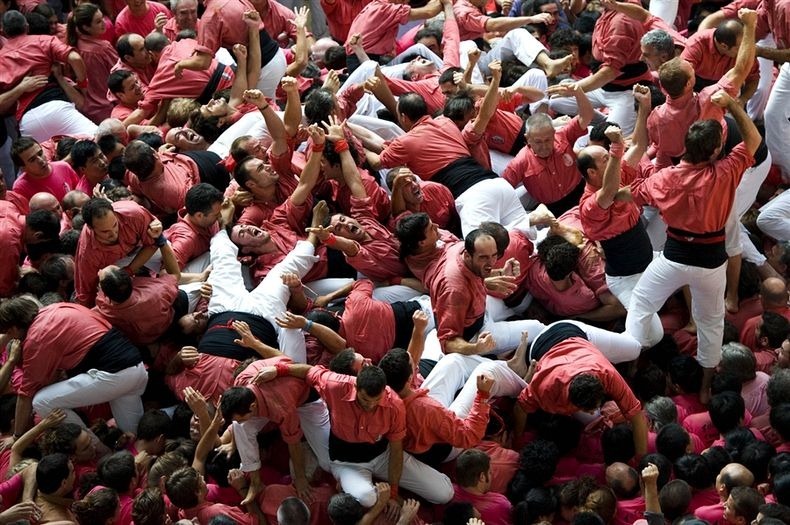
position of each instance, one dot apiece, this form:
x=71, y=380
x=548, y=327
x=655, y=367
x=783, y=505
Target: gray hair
x=738, y=360
x=659, y=40
x=661, y=410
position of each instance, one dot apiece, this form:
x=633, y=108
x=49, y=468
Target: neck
x=266, y=194
x=477, y=490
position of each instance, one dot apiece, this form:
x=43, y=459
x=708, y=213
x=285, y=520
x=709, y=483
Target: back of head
x=470, y=465
x=661, y=411
x=344, y=509
x=756, y=457
x=538, y=461
x=458, y=513
x=499, y=233
x=739, y=360
x=14, y=23
x=182, y=487
x=726, y=411
x=293, y=511
x=746, y=502
x=675, y=498
x=155, y=42
x=153, y=424
x=319, y=104
x=140, y=159
x=603, y=502
x=397, y=367
x=623, y=479
x=460, y=107
x=371, y=380
x=660, y=41
x=673, y=77
x=410, y=231
x=694, y=470
x=728, y=32
x=617, y=443
x=586, y=392
x=18, y=312
x=702, y=140
x=661, y=462
x=201, y=198
x=735, y=475
x=413, y=106
x=98, y=506
x=775, y=511
x=672, y=441
x=116, y=285
x=51, y=471
x=149, y=507
x=117, y=471
x=778, y=389
x=686, y=373
x=774, y=329
x=587, y=517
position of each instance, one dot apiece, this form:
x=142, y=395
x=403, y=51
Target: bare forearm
x=253, y=57
x=458, y=345
x=331, y=340
x=601, y=77
x=142, y=257
x=777, y=55
x=292, y=117
x=351, y=175
x=24, y=409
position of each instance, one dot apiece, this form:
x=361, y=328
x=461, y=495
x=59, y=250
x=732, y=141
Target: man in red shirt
x=571, y=375
x=125, y=86
x=474, y=486
x=185, y=16
x=547, y=165
x=43, y=108
x=38, y=174
x=368, y=425
x=197, y=223
x=138, y=17
x=695, y=199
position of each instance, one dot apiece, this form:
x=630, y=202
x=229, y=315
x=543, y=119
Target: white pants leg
x=507, y=334
x=419, y=478
x=55, y=118
x=228, y=289
x=620, y=104
x=223, y=56
x=517, y=44
x=756, y=105
x=245, y=436
x=750, y=251
x=656, y=228
x=536, y=78
x=497, y=310
x=417, y=49
x=383, y=128
x=617, y=348
x=356, y=479
x=707, y=309
x=659, y=280
x=241, y=127
x=490, y=200
x=506, y=384
x=777, y=121
x=271, y=74
x=666, y=10
x=499, y=161
x=121, y=389
x=394, y=293
x=449, y=376
x=774, y=218
x=314, y=419
x=745, y=195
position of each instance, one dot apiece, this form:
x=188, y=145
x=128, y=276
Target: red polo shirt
x=187, y=240
x=616, y=44
x=377, y=259
x=378, y=23
x=211, y=376
x=368, y=324
x=168, y=190
x=428, y=422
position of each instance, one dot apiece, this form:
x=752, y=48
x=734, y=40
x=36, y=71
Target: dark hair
x=55, y=268
x=371, y=380
x=116, y=78
x=344, y=509
x=539, y=501
x=675, y=498
x=716, y=458
x=201, y=198
x=625, y=488
x=14, y=23
x=332, y=157
x=116, y=285
x=412, y=106
x=586, y=392
x=151, y=138
x=343, y=362
x=781, y=489
x=779, y=464
x=153, y=424
x=123, y=46
x=725, y=382
x=470, y=464
x=140, y=159
x=587, y=517
x=318, y=105
x=397, y=368
x=499, y=233
x=649, y=382
x=19, y=145
x=410, y=231
x=736, y=440
x=459, y=106
x=449, y=74
x=559, y=257
x=563, y=431
x=45, y=222
x=780, y=420
x=324, y=317
x=775, y=328
x=672, y=441
x=33, y=283
x=7, y=412
x=149, y=507
x=694, y=470
x=240, y=173
x=726, y=411
x=236, y=401
x=117, y=470
x=51, y=471
x=686, y=372
x=98, y=506
x=538, y=461
x=182, y=487
x=335, y=58
x=756, y=457
x=19, y=312
x=617, y=443
x=83, y=150
x=663, y=464
x=156, y=41
x=728, y=31
x=746, y=502
x=775, y=511
x=81, y=16
x=207, y=126
x=64, y=147
x=702, y=139
x=95, y=208
x=69, y=239
x=37, y=24
x=458, y=513
x=778, y=389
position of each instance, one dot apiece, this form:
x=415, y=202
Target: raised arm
x=206, y=443
x=637, y=12
x=301, y=49
x=746, y=53
x=505, y=23
x=335, y=134
x=751, y=136
x=611, y=175
x=274, y=125
x=430, y=10
x=253, y=21
x=489, y=105
x=575, y=90
x=312, y=169
x=292, y=118
x=639, y=140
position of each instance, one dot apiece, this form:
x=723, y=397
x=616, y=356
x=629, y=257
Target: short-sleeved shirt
x=59, y=182
x=548, y=390
x=189, y=240
x=378, y=23
x=168, y=190
x=368, y=324
x=428, y=423
x=471, y=20
x=615, y=41
x=99, y=57
x=12, y=229
x=211, y=376
x=348, y=420
x=708, y=63
x=126, y=22
x=378, y=258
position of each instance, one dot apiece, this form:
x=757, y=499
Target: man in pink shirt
x=473, y=475
x=138, y=17
x=38, y=174
x=112, y=232
x=125, y=86
x=546, y=166
x=731, y=476
x=12, y=227
x=191, y=234
x=185, y=16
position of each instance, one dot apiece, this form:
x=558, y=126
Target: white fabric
x=57, y=117
x=620, y=104
x=617, y=348
x=666, y=10
x=490, y=200
x=774, y=218
x=777, y=121
x=745, y=195
x=506, y=384
x=272, y=73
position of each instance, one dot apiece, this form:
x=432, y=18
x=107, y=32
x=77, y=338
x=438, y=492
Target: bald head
x=44, y=201
x=731, y=476
x=114, y=127
x=773, y=292
x=623, y=480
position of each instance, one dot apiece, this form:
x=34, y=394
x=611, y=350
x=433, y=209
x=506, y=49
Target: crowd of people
x=460, y=262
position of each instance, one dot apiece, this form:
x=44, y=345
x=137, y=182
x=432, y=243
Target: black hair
x=410, y=231
x=538, y=502
x=335, y=58
x=371, y=380
x=153, y=424
x=458, y=513
x=412, y=106
x=81, y=152
x=45, y=222
x=64, y=147
x=736, y=440
x=344, y=509
x=117, y=471
x=664, y=467
x=459, y=107
x=152, y=138
x=649, y=382
x=318, y=106
x=116, y=78
x=586, y=392
x=717, y=458
x=51, y=471
x=694, y=470
x=728, y=31
x=95, y=208
x=560, y=257
x=686, y=372
x=397, y=368
x=702, y=139
x=116, y=285
x=675, y=498
x=14, y=23
x=775, y=328
x=672, y=441
x=778, y=389
x=617, y=443
x=756, y=457
x=726, y=411
x=201, y=198
x=236, y=401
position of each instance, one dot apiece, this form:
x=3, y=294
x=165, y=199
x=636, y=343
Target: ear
x=161, y=484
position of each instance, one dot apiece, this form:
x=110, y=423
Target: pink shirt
x=713, y=514
x=548, y=180
x=600, y=224
x=775, y=13
x=471, y=20
x=12, y=230
x=278, y=21
x=126, y=22
x=378, y=24
x=164, y=85
x=75, y=328
x=205, y=511
x=59, y=182
x=147, y=314
x=222, y=24
x=428, y=422
x=188, y=240
x=708, y=63
x=504, y=464
x=99, y=57
x=447, y=145
x=339, y=16
x=616, y=44
x=378, y=258
x=577, y=299
x=548, y=389
x=494, y=509
x=211, y=376
x=368, y=325
x=168, y=190
x=458, y=296
x=133, y=221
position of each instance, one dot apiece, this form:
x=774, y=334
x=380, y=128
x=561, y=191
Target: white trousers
x=357, y=479
x=57, y=117
x=121, y=389
x=314, y=420
x=666, y=10
x=271, y=74
x=268, y=299
x=620, y=104
x=490, y=200
x=745, y=195
x=755, y=107
x=660, y=280
x=517, y=44
x=506, y=384
x=242, y=127
x=777, y=121
x=774, y=218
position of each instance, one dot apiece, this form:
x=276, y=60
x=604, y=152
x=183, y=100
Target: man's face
x=140, y=57
x=345, y=226
x=84, y=450
x=136, y=6
x=419, y=67
x=367, y=402
x=205, y=220
x=248, y=236
x=651, y=57
x=194, y=323
x=105, y=229
x=34, y=162
x=261, y=175
x=541, y=141
x=600, y=156
x=784, y=355
x=431, y=234
x=729, y=511
x=360, y=361
x=482, y=261
x=186, y=139
x=186, y=14
x=132, y=92
x=255, y=147
x=96, y=168
x=431, y=43
x=412, y=193
x=553, y=10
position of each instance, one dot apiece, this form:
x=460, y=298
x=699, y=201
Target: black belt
x=696, y=238
x=342, y=450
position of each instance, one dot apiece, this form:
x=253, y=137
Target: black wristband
x=161, y=240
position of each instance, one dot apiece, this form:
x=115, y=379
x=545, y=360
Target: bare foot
x=518, y=363
x=559, y=66
x=320, y=213
x=732, y=305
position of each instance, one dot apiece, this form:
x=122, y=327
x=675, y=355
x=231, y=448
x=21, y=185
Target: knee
x=367, y=497
x=442, y=491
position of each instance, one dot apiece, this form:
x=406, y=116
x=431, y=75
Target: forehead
x=543, y=132
x=485, y=245
x=30, y=152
